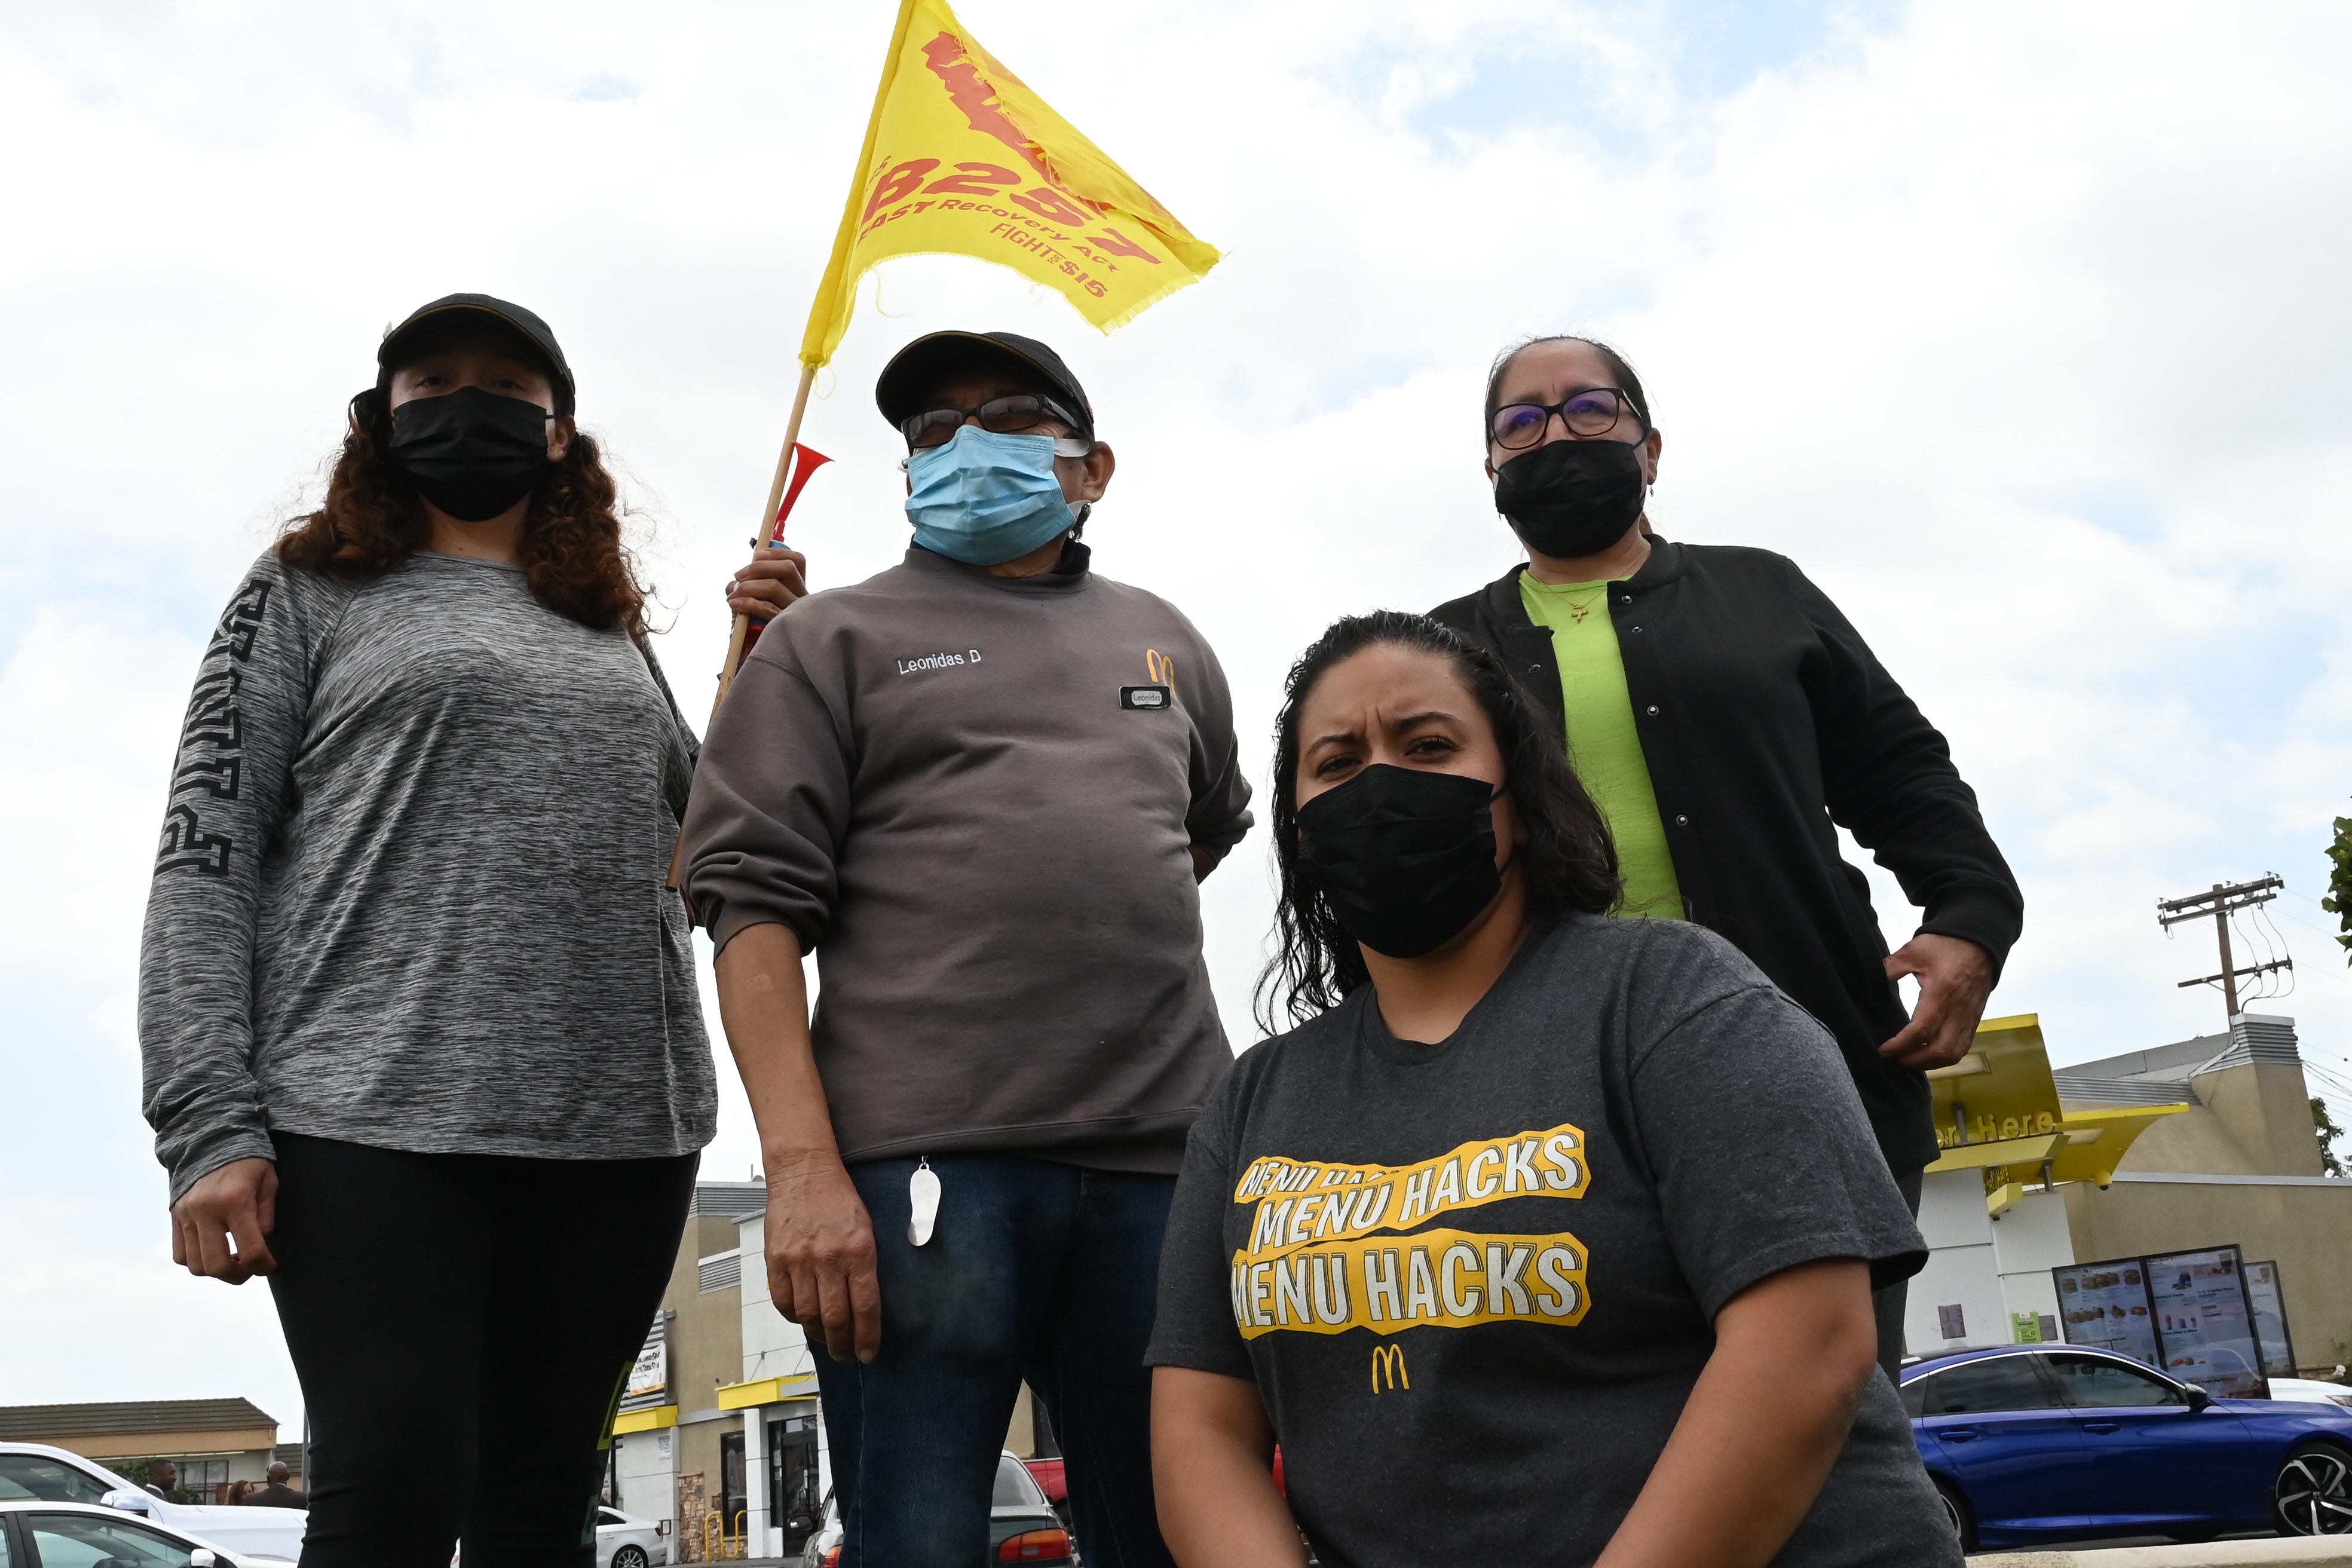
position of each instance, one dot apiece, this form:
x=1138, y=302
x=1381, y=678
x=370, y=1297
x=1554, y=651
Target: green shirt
x=1602, y=742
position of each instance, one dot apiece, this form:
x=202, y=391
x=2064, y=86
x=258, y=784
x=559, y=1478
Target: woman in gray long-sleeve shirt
x=419, y=1016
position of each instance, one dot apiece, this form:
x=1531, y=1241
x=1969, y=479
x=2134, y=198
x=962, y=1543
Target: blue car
x=2035, y=1444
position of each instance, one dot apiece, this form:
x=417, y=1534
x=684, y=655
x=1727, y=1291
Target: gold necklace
x=1577, y=612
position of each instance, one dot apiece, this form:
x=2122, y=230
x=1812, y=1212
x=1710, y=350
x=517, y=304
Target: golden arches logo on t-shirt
x=1437, y=1278
x=1317, y=1260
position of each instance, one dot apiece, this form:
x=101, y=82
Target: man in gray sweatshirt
x=980, y=787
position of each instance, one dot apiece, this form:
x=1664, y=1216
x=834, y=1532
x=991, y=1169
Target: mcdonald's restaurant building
x=2206, y=1143
x=719, y=1433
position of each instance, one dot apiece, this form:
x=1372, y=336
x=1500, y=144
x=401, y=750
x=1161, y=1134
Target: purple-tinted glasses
x=1592, y=411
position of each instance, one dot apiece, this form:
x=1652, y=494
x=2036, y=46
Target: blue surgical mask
x=984, y=498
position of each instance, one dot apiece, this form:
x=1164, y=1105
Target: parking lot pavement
x=2304, y=1551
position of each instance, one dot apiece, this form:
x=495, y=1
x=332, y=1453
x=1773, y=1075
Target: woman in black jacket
x=1727, y=719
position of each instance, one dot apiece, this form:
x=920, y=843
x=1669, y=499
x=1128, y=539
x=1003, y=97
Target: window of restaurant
x=733, y=1497
x=792, y=1478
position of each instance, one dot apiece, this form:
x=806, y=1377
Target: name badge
x=1145, y=697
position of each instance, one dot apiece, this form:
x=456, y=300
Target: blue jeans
x=1034, y=1273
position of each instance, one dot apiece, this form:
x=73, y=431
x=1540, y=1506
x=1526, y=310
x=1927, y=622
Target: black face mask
x=471, y=453
x=1572, y=498
x=1406, y=857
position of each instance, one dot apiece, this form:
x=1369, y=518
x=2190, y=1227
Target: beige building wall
x=2255, y=1120
x=256, y=1444
x=706, y=1349
x=2267, y=1108
x=2192, y=1140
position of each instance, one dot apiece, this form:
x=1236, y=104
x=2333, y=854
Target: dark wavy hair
x=572, y=557
x=1567, y=862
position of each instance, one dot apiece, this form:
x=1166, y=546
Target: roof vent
x=2257, y=1040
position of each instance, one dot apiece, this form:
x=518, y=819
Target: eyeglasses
x=1016, y=415
x=1592, y=411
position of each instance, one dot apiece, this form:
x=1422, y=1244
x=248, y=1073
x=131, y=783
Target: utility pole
x=2219, y=904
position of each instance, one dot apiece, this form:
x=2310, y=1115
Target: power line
x=2218, y=905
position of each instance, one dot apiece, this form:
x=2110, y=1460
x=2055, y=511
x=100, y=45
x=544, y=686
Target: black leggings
x=461, y=1323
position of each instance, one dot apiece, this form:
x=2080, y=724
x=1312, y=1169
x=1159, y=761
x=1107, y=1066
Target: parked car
x=625, y=1541
x=2310, y=1388
x=2033, y=1444
x=1053, y=1479
x=85, y=1535
x=823, y=1547
x=30, y=1471
x=1022, y=1526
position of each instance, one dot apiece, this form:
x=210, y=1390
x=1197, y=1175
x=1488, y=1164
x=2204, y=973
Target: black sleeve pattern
x=229, y=786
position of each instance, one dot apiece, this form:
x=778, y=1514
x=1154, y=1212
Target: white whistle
x=922, y=1203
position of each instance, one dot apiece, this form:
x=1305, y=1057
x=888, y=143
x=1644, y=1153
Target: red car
x=1051, y=1480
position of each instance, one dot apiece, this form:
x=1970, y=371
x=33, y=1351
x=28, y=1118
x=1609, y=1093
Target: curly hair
x=1567, y=862
x=571, y=554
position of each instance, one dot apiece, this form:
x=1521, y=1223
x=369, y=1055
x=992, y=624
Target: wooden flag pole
x=766, y=537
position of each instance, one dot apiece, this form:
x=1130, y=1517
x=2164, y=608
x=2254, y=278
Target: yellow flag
x=962, y=159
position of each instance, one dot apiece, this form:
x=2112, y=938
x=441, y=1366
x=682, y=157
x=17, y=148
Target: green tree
x=2327, y=1133
x=2338, y=901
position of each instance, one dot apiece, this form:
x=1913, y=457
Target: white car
x=2311, y=1390
x=34, y=1472
x=624, y=1541
x=84, y=1535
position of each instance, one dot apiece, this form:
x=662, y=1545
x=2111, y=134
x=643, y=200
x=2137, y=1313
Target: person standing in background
x=277, y=1494
x=418, y=1017
x=981, y=787
x=1727, y=719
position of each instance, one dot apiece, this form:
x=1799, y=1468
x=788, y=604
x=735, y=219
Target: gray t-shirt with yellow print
x=1475, y=1281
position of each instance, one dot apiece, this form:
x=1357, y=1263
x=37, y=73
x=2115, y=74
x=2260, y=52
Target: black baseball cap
x=914, y=369
x=449, y=307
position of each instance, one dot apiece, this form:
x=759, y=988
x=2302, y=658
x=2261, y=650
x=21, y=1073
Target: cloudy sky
x=2021, y=327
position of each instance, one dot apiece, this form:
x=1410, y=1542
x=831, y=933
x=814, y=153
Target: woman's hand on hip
x=775, y=577
x=821, y=1261
x=219, y=1225
x=1955, y=981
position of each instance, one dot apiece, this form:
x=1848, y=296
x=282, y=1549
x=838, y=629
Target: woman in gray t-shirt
x=419, y=1016
x=1544, y=1236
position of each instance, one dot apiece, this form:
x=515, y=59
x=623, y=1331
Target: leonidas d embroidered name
x=939, y=661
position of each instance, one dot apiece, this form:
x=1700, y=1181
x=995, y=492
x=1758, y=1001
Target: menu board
x=2270, y=1319
x=2205, y=1322
x=2106, y=1305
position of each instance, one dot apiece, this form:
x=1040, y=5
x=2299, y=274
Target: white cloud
x=2018, y=327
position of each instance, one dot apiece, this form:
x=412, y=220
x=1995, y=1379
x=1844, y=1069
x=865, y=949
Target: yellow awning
x=2003, y=1099
x=2097, y=1139
x=645, y=1420
x=765, y=1391
x=2001, y=1090
x=2007, y=1152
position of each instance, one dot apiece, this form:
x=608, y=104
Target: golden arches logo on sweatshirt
x=1300, y=1202
x=1437, y=1278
